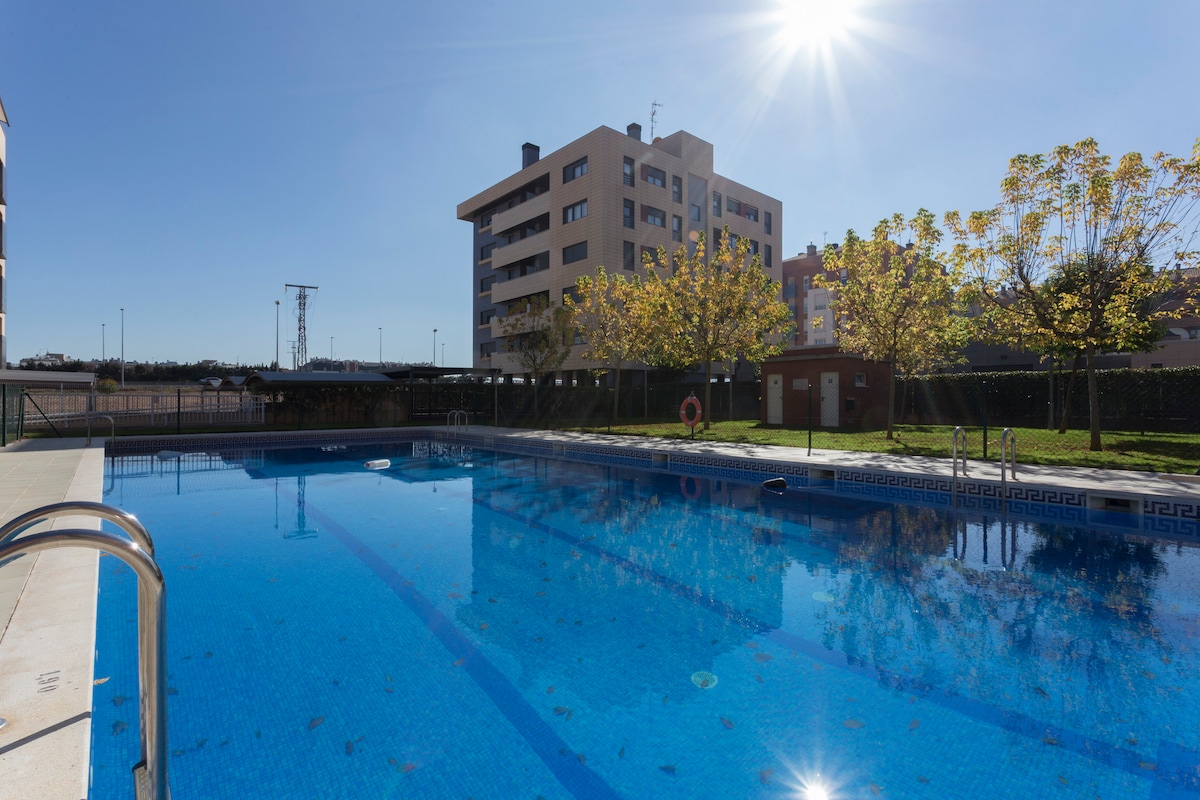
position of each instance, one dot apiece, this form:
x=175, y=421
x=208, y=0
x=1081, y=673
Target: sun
x=815, y=24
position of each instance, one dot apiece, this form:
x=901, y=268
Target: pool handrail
x=150, y=774
x=958, y=432
x=1008, y=455
x=78, y=508
x=453, y=418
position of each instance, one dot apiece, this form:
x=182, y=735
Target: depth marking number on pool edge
x=48, y=681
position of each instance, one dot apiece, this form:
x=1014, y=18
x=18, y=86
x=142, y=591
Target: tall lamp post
x=122, y=348
x=435, y=347
x=443, y=354
x=381, y=348
x=331, y=352
x=101, y=342
x=276, y=334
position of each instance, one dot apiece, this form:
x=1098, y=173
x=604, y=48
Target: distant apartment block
x=601, y=200
x=809, y=304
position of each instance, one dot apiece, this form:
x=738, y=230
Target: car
x=210, y=381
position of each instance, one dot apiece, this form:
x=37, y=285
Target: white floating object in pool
x=378, y=463
x=823, y=597
x=168, y=455
x=705, y=680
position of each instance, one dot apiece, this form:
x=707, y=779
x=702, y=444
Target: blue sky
x=185, y=160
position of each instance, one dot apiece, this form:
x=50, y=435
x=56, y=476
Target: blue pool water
x=472, y=624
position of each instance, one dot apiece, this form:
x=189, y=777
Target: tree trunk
x=616, y=395
x=707, y=392
x=891, y=397
x=1093, y=399
x=1062, y=428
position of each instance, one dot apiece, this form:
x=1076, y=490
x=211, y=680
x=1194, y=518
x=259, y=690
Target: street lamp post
x=122, y=348
x=443, y=354
x=101, y=342
x=381, y=348
x=331, y=352
x=435, y=347
x=276, y=334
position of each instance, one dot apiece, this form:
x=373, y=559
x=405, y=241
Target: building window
x=485, y=285
x=767, y=257
x=806, y=283
x=485, y=221
x=485, y=252
x=628, y=255
x=751, y=213
x=655, y=176
x=574, y=212
x=819, y=341
x=485, y=317
x=627, y=178
x=486, y=349
x=654, y=216
x=819, y=305
x=696, y=212
x=677, y=228
x=716, y=204
x=766, y=222
x=649, y=251
x=628, y=214
x=860, y=379
x=733, y=206
x=574, y=252
x=576, y=169
x=677, y=188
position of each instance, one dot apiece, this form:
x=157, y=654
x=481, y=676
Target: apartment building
x=601, y=200
x=3, y=245
x=809, y=304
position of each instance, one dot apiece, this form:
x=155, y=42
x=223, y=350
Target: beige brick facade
x=543, y=201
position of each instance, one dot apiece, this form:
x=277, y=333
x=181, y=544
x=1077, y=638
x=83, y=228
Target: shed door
x=774, y=399
x=829, y=400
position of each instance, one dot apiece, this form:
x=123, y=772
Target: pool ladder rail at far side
x=457, y=418
x=137, y=551
x=959, y=433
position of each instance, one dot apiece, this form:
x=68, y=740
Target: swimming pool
x=473, y=623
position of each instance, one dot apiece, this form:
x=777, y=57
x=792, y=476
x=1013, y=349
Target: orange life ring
x=690, y=402
x=689, y=487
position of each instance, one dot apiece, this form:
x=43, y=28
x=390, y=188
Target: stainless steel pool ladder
x=958, y=432
x=454, y=418
x=1008, y=456
x=150, y=774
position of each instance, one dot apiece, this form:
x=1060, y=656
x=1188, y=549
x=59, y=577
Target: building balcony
x=504, y=255
x=522, y=212
x=503, y=291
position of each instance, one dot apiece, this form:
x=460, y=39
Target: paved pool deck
x=48, y=601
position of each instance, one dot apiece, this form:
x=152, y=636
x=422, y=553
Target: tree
x=712, y=310
x=1077, y=256
x=604, y=310
x=896, y=303
x=538, y=334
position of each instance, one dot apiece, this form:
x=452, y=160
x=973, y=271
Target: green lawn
x=1151, y=452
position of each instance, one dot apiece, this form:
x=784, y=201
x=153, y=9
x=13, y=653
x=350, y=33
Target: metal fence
x=142, y=409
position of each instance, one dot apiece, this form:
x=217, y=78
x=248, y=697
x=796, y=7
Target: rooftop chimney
x=812, y=249
x=635, y=131
x=530, y=153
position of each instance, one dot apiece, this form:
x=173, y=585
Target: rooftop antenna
x=654, y=107
x=302, y=303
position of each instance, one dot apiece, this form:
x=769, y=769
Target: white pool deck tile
x=48, y=602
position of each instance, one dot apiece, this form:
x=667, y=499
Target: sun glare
x=816, y=23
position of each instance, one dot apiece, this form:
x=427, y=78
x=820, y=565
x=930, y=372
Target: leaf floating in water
x=665, y=698
x=875, y=788
x=208, y=654
x=1132, y=741
x=922, y=779
x=314, y=722
x=764, y=776
x=621, y=752
x=258, y=734
x=549, y=690
x=483, y=626
x=728, y=723
x=1041, y=692
x=458, y=662
x=560, y=710
x=341, y=638
x=407, y=766
x=668, y=768
x=582, y=758
x=540, y=594
x=916, y=723
x=1150, y=765
x=119, y=700
x=751, y=645
x=763, y=657
x=493, y=600
x=703, y=680
x=759, y=678
x=454, y=595
x=349, y=748
x=119, y=727
x=393, y=762
x=99, y=681
x=1050, y=740
x=852, y=724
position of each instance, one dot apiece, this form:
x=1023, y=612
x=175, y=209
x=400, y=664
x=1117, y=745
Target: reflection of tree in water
x=1069, y=635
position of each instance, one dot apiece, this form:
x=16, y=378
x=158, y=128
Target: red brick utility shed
x=847, y=391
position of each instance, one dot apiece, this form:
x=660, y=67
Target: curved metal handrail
x=1008, y=455
x=151, y=772
x=453, y=417
x=78, y=508
x=111, y=422
x=958, y=432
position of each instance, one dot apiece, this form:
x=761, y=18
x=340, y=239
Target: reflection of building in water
x=615, y=582
x=188, y=472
